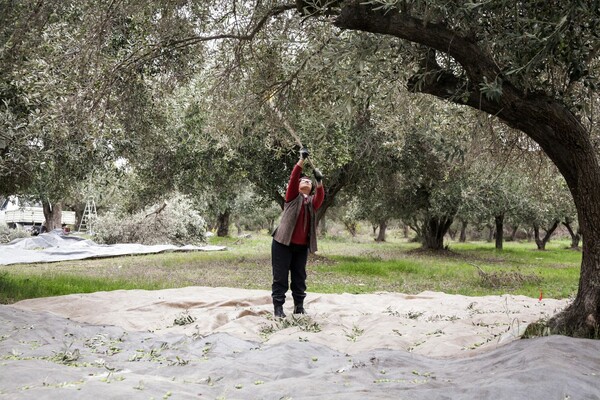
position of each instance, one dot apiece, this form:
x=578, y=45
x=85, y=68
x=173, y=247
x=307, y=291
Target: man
x=295, y=236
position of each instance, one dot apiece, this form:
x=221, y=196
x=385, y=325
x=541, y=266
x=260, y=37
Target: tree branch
x=544, y=119
x=192, y=40
x=140, y=56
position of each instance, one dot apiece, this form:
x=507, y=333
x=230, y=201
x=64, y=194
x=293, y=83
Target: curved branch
x=138, y=57
x=192, y=40
x=358, y=16
x=544, y=119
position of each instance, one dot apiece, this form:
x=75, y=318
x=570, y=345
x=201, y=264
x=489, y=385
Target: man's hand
x=304, y=153
x=318, y=175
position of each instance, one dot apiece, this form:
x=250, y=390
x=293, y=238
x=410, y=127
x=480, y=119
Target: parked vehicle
x=19, y=214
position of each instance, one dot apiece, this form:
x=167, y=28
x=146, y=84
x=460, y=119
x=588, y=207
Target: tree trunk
x=223, y=223
x=538, y=241
x=544, y=119
x=418, y=228
x=382, y=229
x=271, y=222
x=499, y=230
x=323, y=225
x=405, y=229
x=434, y=231
x=541, y=242
x=490, y=237
x=575, y=240
x=463, y=231
x=351, y=227
x=52, y=214
x=452, y=233
x=575, y=236
x=338, y=180
x=513, y=234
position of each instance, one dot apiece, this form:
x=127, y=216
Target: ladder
x=89, y=217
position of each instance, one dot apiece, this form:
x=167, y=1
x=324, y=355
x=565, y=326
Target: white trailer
x=16, y=214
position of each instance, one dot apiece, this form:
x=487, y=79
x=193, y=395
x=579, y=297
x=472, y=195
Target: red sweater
x=301, y=230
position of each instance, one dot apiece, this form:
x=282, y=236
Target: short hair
x=312, y=185
x=306, y=177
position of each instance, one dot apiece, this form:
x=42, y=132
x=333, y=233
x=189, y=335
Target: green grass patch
x=400, y=267
x=352, y=265
x=556, y=253
x=14, y=287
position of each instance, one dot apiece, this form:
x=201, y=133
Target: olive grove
x=86, y=83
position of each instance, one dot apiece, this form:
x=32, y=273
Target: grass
x=15, y=286
x=342, y=265
x=399, y=266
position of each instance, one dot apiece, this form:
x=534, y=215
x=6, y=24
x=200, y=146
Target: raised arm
x=293, y=189
x=320, y=193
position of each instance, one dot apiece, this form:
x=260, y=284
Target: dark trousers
x=285, y=260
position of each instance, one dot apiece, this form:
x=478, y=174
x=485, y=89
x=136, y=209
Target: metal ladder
x=88, y=217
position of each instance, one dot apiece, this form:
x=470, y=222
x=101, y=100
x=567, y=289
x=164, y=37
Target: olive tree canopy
x=531, y=64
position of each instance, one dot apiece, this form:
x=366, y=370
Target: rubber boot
x=278, y=311
x=299, y=308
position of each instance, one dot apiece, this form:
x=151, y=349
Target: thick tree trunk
x=538, y=241
x=382, y=229
x=463, y=231
x=541, y=242
x=499, y=219
x=223, y=223
x=544, y=119
x=52, y=214
x=405, y=230
x=434, y=231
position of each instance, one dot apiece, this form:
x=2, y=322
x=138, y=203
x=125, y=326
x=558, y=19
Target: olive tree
x=533, y=67
x=547, y=202
x=70, y=100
